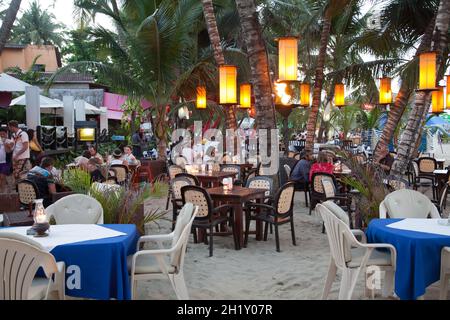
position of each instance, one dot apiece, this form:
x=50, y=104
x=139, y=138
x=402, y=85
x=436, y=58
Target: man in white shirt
x=21, y=153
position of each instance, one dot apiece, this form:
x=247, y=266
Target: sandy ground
x=258, y=271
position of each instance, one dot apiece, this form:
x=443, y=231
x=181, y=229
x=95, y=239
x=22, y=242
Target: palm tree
x=214, y=36
x=8, y=22
x=406, y=31
x=37, y=26
x=259, y=64
x=153, y=58
x=412, y=132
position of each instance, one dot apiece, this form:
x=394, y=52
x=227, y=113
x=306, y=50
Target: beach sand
x=258, y=272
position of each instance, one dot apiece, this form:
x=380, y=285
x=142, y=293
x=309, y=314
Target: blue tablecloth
x=98, y=269
x=418, y=256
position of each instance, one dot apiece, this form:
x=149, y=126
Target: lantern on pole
x=305, y=94
x=385, y=91
x=339, y=95
x=427, y=70
x=245, y=96
x=448, y=92
x=287, y=58
x=437, y=100
x=228, y=85
x=201, y=97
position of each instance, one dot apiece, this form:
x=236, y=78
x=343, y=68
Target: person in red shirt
x=322, y=165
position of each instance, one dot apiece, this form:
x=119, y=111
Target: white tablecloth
x=71, y=233
x=422, y=225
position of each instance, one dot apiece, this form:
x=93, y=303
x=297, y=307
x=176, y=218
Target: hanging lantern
x=201, y=97
x=437, y=100
x=339, y=95
x=287, y=58
x=427, y=68
x=385, y=91
x=245, y=96
x=228, y=85
x=448, y=92
x=282, y=97
x=305, y=94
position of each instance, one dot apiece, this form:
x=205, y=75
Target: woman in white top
x=128, y=155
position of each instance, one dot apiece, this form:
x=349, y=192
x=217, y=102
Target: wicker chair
x=28, y=193
x=235, y=169
x=427, y=165
x=192, y=179
x=173, y=171
x=317, y=193
x=122, y=173
x=345, y=200
x=208, y=217
x=281, y=212
x=177, y=201
x=423, y=179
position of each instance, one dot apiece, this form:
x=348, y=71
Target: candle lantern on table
x=41, y=224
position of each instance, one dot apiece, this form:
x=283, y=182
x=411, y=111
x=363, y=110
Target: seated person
x=117, y=158
x=94, y=154
x=41, y=175
x=93, y=167
x=128, y=156
x=300, y=173
x=322, y=165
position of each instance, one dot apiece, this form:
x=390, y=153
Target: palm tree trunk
x=411, y=134
x=8, y=22
x=401, y=101
x=259, y=64
x=318, y=83
x=214, y=38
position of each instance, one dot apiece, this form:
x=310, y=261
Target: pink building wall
x=114, y=102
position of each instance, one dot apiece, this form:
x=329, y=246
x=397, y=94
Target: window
x=39, y=67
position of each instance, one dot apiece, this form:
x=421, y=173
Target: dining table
x=212, y=179
x=237, y=197
x=95, y=257
x=418, y=243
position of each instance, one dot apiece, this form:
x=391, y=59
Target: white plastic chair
x=352, y=256
x=76, y=209
x=164, y=263
x=407, y=203
x=21, y=258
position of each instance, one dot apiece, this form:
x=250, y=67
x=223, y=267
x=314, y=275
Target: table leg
x=259, y=224
x=239, y=224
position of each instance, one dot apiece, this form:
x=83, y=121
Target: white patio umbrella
x=11, y=84
x=90, y=109
x=47, y=104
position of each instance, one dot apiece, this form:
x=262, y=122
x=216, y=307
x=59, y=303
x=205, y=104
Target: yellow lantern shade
x=305, y=94
x=287, y=58
x=385, y=91
x=228, y=84
x=245, y=98
x=448, y=92
x=427, y=70
x=437, y=100
x=201, y=97
x=339, y=95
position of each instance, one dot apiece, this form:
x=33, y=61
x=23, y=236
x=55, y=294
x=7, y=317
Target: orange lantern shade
x=339, y=95
x=385, y=91
x=287, y=58
x=448, y=92
x=305, y=94
x=245, y=98
x=228, y=84
x=427, y=70
x=201, y=97
x=437, y=100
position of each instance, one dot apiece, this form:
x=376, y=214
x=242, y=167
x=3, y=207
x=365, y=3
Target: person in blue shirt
x=41, y=175
x=300, y=174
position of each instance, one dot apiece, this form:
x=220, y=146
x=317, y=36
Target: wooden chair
x=424, y=180
x=177, y=201
x=192, y=179
x=173, y=171
x=317, y=193
x=208, y=217
x=234, y=169
x=121, y=173
x=281, y=212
